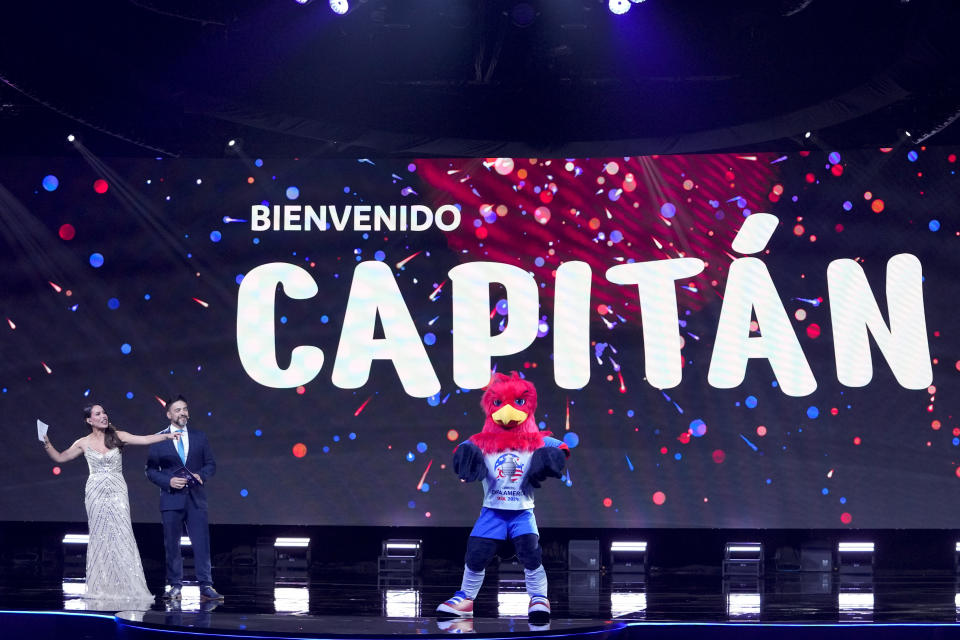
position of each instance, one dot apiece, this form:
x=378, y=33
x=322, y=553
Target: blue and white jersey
x=505, y=473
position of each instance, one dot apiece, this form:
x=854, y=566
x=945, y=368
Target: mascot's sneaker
x=459, y=606
x=539, y=610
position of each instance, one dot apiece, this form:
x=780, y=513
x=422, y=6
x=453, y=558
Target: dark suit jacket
x=163, y=460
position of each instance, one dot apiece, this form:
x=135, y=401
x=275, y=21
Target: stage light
x=400, y=555
x=956, y=557
x=185, y=541
x=855, y=606
x=291, y=542
x=855, y=557
x=71, y=138
x=618, y=7
x=512, y=598
x=76, y=538
x=628, y=555
x=807, y=135
x=303, y=2
x=291, y=599
x=743, y=558
x=402, y=548
x=743, y=606
x=231, y=143
x=340, y=7
x=401, y=603
x=631, y=604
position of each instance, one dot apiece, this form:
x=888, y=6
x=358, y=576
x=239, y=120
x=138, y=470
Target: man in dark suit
x=183, y=498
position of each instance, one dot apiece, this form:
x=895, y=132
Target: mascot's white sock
x=536, y=582
x=472, y=580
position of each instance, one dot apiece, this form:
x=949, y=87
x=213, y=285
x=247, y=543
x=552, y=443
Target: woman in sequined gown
x=114, y=570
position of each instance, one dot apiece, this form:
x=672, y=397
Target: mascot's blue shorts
x=501, y=524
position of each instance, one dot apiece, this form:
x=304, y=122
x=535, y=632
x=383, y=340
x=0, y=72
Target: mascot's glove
x=546, y=462
x=468, y=462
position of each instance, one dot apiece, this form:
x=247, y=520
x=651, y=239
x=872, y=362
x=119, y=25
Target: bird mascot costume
x=511, y=456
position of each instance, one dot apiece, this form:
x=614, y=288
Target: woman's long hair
x=110, y=437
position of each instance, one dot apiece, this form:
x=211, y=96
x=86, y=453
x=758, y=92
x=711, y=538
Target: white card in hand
x=41, y=429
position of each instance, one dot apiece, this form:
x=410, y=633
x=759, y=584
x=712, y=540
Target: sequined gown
x=114, y=571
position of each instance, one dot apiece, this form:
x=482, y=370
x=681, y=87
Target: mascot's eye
x=521, y=402
x=497, y=403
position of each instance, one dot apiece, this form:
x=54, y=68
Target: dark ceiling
x=472, y=78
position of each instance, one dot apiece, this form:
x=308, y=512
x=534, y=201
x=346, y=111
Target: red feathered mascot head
x=509, y=403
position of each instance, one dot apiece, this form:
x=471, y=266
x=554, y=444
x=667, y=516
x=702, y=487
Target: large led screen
x=736, y=340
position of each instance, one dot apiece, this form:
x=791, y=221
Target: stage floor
x=691, y=596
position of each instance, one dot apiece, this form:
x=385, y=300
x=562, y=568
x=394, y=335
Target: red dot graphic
x=719, y=456
x=100, y=186
x=299, y=450
x=846, y=518
x=607, y=502
x=659, y=497
x=67, y=232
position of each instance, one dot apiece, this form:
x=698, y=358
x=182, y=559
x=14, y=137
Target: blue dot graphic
x=433, y=401
x=429, y=339
x=422, y=447
x=379, y=256
x=411, y=504
x=126, y=348
x=258, y=162
x=843, y=500
x=50, y=183
x=425, y=487
x=283, y=319
x=326, y=449
x=668, y=210
x=146, y=296
x=630, y=413
x=410, y=456
x=324, y=319
x=698, y=428
x=847, y=205
x=293, y=193
x=239, y=278
x=751, y=402
x=571, y=439
x=539, y=261
x=813, y=412
x=113, y=303
x=834, y=158
x=129, y=395
x=215, y=236
x=912, y=156
x=336, y=438
x=352, y=436
x=934, y=225
x=96, y=260
x=243, y=493
x=258, y=433
x=824, y=491
x=678, y=456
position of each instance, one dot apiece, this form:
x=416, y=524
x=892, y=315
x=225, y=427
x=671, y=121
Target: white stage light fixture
x=291, y=542
x=340, y=7
x=618, y=7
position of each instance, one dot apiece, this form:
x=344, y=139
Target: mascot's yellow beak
x=507, y=414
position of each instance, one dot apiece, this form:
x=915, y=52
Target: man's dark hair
x=172, y=399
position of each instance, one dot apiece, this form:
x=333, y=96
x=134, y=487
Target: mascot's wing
x=468, y=462
x=546, y=462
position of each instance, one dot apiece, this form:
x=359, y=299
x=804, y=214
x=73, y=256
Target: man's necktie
x=183, y=454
